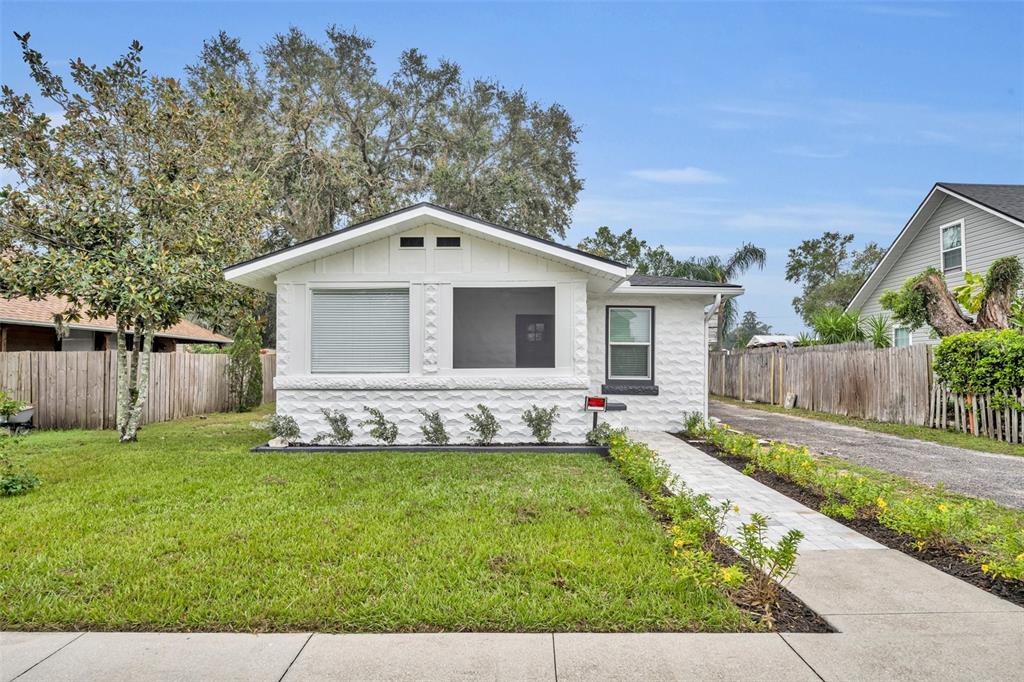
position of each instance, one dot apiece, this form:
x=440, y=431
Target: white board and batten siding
x=986, y=237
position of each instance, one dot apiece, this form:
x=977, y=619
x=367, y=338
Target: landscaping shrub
x=878, y=331
x=600, y=434
x=932, y=518
x=484, y=425
x=774, y=564
x=341, y=433
x=9, y=406
x=245, y=372
x=15, y=480
x=983, y=363
x=833, y=325
x=540, y=421
x=380, y=428
x=433, y=428
x=693, y=423
x=280, y=426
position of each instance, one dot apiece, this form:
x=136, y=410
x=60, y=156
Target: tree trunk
x=944, y=315
x=995, y=307
x=131, y=426
x=124, y=368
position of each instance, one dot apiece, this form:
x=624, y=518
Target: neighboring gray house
x=428, y=308
x=957, y=228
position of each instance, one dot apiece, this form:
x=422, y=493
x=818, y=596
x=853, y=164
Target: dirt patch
x=947, y=559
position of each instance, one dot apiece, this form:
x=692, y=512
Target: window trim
x=313, y=287
x=962, y=223
x=627, y=382
x=910, y=335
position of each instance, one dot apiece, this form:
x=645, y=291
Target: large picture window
x=630, y=343
x=360, y=331
x=497, y=327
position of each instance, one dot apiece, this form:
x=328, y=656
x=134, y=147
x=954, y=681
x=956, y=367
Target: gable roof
x=259, y=272
x=20, y=310
x=1005, y=201
x=664, y=281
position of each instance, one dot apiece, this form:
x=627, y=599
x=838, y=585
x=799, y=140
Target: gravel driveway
x=980, y=474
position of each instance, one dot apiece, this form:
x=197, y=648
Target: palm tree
x=714, y=269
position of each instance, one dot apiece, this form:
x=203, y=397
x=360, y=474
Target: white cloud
x=814, y=218
x=690, y=175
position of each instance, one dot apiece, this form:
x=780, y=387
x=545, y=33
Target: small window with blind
x=952, y=246
x=359, y=331
x=630, y=344
x=901, y=337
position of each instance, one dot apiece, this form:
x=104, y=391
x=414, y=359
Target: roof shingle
x=1006, y=199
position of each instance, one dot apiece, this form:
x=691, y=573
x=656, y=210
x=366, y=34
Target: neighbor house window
x=900, y=337
x=953, y=247
x=449, y=242
x=359, y=331
x=630, y=343
x=498, y=327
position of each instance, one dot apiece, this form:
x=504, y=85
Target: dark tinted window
x=411, y=242
x=449, y=242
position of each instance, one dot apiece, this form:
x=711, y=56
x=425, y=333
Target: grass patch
x=187, y=530
x=953, y=438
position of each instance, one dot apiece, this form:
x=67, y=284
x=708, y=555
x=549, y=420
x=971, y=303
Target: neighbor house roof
x=21, y=310
x=260, y=272
x=1005, y=201
x=664, y=281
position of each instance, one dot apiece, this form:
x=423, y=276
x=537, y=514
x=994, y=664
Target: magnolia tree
x=128, y=202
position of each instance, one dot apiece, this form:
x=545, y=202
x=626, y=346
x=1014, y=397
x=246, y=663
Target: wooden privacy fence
x=78, y=390
x=855, y=380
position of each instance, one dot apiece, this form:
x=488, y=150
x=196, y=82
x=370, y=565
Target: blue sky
x=703, y=125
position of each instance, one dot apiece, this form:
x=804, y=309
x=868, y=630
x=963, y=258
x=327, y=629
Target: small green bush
x=280, y=426
x=380, y=428
x=433, y=428
x=601, y=434
x=988, y=362
x=341, y=433
x=693, y=424
x=540, y=421
x=15, y=480
x=245, y=370
x=483, y=424
x=9, y=406
x=774, y=564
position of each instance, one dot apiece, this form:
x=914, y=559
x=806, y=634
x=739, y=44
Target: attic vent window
x=449, y=242
x=412, y=242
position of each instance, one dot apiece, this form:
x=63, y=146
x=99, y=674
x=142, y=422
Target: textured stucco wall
x=679, y=361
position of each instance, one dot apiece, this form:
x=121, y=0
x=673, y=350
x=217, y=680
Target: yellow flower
x=943, y=508
x=1020, y=557
x=882, y=504
x=984, y=568
x=736, y=508
x=676, y=530
x=678, y=542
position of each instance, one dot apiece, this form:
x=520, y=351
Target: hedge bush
x=989, y=362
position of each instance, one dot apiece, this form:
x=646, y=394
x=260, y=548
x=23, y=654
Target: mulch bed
x=947, y=560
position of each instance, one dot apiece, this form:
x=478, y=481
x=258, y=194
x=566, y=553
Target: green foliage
x=694, y=423
x=932, y=518
x=629, y=250
x=433, y=428
x=9, y=406
x=1005, y=273
x=989, y=362
x=344, y=142
x=971, y=293
x=281, y=426
x=833, y=325
x=245, y=371
x=205, y=349
x=805, y=339
x=878, y=330
x=748, y=328
x=380, y=428
x=1017, y=314
x=540, y=421
x=774, y=564
x=830, y=272
x=341, y=432
x=14, y=480
x=907, y=304
x=601, y=434
x=483, y=424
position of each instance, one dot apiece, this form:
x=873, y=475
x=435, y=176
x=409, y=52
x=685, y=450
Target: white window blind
x=360, y=331
x=629, y=343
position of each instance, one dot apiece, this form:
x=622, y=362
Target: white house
x=958, y=228
x=429, y=308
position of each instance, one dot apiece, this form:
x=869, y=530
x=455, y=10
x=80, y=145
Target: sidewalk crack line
x=72, y=641
x=297, y=654
x=809, y=666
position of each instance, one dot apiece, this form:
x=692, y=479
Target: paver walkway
x=897, y=619
x=997, y=477
x=705, y=474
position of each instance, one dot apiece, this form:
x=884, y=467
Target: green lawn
x=954, y=438
x=187, y=530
